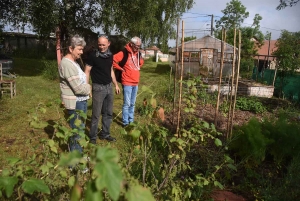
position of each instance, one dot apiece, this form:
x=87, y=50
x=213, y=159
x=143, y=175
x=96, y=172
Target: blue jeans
x=129, y=97
x=73, y=140
x=103, y=97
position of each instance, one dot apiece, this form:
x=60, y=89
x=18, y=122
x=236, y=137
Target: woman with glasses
x=130, y=76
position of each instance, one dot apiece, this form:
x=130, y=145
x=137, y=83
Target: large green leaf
x=8, y=183
x=110, y=177
x=32, y=185
x=139, y=193
x=76, y=192
x=107, y=154
x=70, y=159
x=218, y=142
x=92, y=194
x=135, y=134
x=12, y=160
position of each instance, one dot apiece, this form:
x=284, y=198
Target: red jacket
x=131, y=69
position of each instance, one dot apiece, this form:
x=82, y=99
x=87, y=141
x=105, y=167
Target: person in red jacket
x=130, y=76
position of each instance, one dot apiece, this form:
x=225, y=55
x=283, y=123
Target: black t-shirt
x=101, y=68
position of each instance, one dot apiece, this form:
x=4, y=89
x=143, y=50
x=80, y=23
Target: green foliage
x=251, y=104
x=276, y=137
x=50, y=70
x=50, y=169
x=181, y=176
x=190, y=96
x=234, y=15
x=153, y=23
x=189, y=38
x=250, y=143
x=285, y=3
x=290, y=183
x=288, y=51
x=40, y=52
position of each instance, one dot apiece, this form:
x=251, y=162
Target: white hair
x=77, y=40
x=136, y=40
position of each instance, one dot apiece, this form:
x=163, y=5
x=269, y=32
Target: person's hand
x=117, y=89
x=91, y=94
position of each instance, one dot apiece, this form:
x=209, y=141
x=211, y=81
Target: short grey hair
x=77, y=40
x=135, y=40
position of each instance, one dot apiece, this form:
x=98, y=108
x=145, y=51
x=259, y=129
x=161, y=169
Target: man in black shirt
x=99, y=66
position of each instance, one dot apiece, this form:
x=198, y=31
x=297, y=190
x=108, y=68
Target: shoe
x=93, y=142
x=108, y=138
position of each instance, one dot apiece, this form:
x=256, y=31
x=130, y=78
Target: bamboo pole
x=175, y=72
x=220, y=74
x=232, y=82
x=237, y=80
x=181, y=78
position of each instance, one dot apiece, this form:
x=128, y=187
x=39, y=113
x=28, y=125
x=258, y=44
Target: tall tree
x=151, y=20
x=288, y=56
x=288, y=51
x=252, y=38
x=234, y=15
x=285, y=3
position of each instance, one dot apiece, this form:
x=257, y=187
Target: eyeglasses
x=136, y=46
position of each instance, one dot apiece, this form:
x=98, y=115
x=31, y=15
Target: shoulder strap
x=125, y=57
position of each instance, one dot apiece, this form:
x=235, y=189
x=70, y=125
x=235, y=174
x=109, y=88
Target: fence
x=289, y=87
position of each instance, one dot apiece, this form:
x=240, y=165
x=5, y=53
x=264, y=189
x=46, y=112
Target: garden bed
x=255, y=89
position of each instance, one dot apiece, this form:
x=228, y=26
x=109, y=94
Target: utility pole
x=212, y=25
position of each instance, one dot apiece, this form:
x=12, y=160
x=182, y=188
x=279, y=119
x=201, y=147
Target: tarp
x=290, y=85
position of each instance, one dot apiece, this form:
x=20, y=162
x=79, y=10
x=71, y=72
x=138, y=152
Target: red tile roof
x=263, y=51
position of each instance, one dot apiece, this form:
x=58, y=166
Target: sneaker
x=108, y=138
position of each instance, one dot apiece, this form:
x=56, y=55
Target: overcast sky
x=197, y=23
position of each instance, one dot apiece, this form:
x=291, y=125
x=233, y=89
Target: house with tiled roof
x=264, y=56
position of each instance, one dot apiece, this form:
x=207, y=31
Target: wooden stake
x=220, y=74
x=230, y=111
x=181, y=78
x=175, y=72
x=237, y=81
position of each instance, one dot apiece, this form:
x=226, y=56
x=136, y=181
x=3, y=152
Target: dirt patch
x=226, y=196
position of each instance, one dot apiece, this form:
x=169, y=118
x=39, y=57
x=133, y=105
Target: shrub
x=250, y=143
x=251, y=104
x=50, y=71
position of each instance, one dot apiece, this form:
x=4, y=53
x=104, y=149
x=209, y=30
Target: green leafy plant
x=50, y=70
x=250, y=104
x=42, y=176
x=179, y=176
